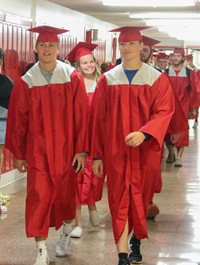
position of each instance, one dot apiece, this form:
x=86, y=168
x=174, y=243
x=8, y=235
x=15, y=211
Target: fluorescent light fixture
x=180, y=29
x=163, y=15
x=149, y=3
x=180, y=32
x=173, y=22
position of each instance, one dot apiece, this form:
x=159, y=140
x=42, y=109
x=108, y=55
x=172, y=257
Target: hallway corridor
x=174, y=235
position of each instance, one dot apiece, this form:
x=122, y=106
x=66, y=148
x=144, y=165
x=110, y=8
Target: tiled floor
x=174, y=236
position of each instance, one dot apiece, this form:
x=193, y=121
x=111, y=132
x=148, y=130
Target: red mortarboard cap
x=179, y=50
x=129, y=33
x=189, y=57
x=81, y=49
x=149, y=41
x=47, y=33
x=161, y=56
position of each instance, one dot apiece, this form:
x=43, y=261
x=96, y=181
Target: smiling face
x=87, y=64
x=47, y=52
x=177, y=59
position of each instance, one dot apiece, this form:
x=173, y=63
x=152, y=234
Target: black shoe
x=171, y=158
x=152, y=211
x=124, y=261
x=135, y=256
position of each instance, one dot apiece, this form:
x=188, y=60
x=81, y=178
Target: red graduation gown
x=117, y=109
x=187, y=98
x=89, y=187
x=46, y=127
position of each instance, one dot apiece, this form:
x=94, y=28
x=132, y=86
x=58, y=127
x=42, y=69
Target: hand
x=174, y=138
x=97, y=167
x=192, y=113
x=135, y=139
x=81, y=161
x=21, y=165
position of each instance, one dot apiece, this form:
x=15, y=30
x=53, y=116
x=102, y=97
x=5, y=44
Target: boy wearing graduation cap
x=130, y=112
x=46, y=132
x=147, y=50
x=190, y=64
x=161, y=60
x=185, y=84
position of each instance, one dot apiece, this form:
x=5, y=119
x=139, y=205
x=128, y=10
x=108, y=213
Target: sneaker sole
x=136, y=262
x=47, y=261
x=170, y=161
x=62, y=255
x=178, y=164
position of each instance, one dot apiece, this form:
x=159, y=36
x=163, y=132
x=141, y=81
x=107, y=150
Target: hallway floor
x=174, y=235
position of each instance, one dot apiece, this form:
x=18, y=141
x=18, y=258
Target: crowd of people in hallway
x=73, y=125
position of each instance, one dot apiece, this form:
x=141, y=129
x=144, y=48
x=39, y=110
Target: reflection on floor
x=174, y=236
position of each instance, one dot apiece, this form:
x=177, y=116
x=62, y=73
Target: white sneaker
x=94, y=218
x=178, y=162
x=76, y=232
x=42, y=258
x=63, y=245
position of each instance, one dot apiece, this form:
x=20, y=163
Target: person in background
x=104, y=67
x=161, y=60
x=130, y=112
x=190, y=64
x=178, y=123
x=31, y=64
x=146, y=57
x=46, y=131
x=6, y=86
x=89, y=187
x=147, y=50
x=187, y=91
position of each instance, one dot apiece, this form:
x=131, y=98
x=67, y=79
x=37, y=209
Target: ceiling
x=119, y=16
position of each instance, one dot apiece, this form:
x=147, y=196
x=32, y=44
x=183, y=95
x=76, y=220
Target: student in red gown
x=177, y=124
x=161, y=61
x=46, y=130
x=190, y=64
x=146, y=56
x=130, y=113
x=89, y=187
x=148, y=49
x=186, y=88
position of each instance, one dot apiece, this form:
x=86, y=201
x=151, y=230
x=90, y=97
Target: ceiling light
x=179, y=32
x=163, y=15
x=148, y=3
x=171, y=22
